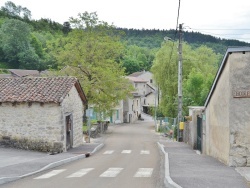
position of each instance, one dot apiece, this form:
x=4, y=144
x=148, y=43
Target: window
x=117, y=114
x=135, y=85
x=151, y=81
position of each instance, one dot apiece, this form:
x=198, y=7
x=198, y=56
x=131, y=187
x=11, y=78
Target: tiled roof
x=135, y=74
x=36, y=89
x=23, y=73
x=135, y=79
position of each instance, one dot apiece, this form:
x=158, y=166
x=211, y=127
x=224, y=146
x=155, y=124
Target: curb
x=51, y=165
x=168, y=180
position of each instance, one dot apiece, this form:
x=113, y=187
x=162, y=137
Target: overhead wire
x=176, y=29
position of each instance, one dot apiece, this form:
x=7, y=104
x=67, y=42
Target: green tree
x=137, y=58
x=92, y=51
x=16, y=11
x=199, y=68
x=15, y=37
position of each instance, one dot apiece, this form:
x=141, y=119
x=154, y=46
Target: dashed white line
x=126, y=151
x=80, y=173
x=50, y=174
x=111, y=172
x=144, y=172
x=108, y=152
x=145, y=152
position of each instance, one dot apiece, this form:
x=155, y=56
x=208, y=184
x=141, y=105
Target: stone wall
x=239, y=110
x=190, y=129
x=41, y=127
x=72, y=104
x=34, y=126
x=217, y=119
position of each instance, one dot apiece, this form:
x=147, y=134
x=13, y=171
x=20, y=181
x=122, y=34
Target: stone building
x=227, y=110
x=43, y=114
x=132, y=105
x=149, y=94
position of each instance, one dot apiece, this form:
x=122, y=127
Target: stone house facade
x=227, y=112
x=148, y=91
x=132, y=105
x=43, y=114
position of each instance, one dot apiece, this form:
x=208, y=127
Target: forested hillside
x=34, y=36
x=101, y=55
x=154, y=38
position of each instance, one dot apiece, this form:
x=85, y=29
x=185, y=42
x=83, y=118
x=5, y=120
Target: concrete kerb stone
x=51, y=165
x=168, y=180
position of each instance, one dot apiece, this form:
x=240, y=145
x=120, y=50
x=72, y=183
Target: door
x=69, y=132
x=199, y=133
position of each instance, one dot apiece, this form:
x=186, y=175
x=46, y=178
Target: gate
x=199, y=133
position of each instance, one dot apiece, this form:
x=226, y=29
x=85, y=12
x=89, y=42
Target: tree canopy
x=92, y=52
x=199, y=68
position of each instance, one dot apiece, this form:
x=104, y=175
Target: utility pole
x=179, y=133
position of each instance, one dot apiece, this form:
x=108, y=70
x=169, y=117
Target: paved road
x=130, y=158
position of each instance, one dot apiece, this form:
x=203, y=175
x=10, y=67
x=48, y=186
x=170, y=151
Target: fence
x=167, y=127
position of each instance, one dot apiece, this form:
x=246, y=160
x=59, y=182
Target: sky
x=220, y=18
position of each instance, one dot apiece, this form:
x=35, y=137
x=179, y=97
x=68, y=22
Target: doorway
x=199, y=133
x=69, y=131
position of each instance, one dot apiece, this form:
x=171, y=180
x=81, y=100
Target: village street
x=130, y=158
x=131, y=155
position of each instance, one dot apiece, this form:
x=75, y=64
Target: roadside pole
x=179, y=133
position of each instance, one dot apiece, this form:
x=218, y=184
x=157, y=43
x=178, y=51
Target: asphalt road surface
x=129, y=159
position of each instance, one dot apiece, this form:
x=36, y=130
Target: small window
x=135, y=85
x=117, y=114
x=151, y=81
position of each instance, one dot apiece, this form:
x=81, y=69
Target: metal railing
x=167, y=127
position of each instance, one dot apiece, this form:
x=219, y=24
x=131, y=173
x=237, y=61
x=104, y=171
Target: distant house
x=132, y=106
x=223, y=124
x=43, y=114
x=148, y=92
x=24, y=73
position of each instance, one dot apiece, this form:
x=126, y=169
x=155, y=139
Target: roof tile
x=35, y=89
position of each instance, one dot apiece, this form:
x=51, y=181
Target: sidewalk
x=16, y=163
x=188, y=169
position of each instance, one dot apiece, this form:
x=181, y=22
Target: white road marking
x=50, y=174
x=80, y=173
x=111, y=172
x=126, y=151
x=108, y=152
x=145, y=152
x=144, y=172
